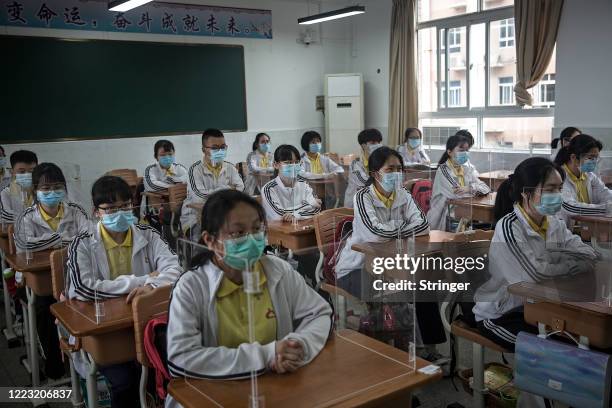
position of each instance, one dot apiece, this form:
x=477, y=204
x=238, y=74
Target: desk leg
x=478, y=386
x=33, y=338
x=142, y=391
x=26, y=336
x=9, y=331
x=91, y=381
x=77, y=398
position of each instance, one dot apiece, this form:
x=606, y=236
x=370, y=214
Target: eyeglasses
x=241, y=236
x=45, y=188
x=216, y=147
x=112, y=209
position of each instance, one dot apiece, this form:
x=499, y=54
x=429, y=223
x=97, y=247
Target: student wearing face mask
x=18, y=194
x=208, y=335
x=51, y=222
x=563, y=140
x=5, y=175
x=412, y=150
x=369, y=140
x=165, y=172
x=259, y=163
x=584, y=193
x=288, y=196
x=526, y=207
x=118, y=257
x=456, y=177
x=314, y=163
x=206, y=176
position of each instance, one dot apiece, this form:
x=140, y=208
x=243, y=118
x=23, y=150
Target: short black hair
x=211, y=132
x=257, y=137
x=309, y=137
x=162, y=144
x=23, y=156
x=369, y=135
x=110, y=189
x=410, y=130
x=466, y=133
x=47, y=173
x=285, y=152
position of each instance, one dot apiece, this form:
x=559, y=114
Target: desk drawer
x=111, y=348
x=39, y=282
x=597, y=327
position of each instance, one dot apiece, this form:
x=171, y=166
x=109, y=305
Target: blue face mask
x=24, y=179
x=315, y=148
x=166, y=161
x=119, y=221
x=414, y=143
x=3, y=161
x=462, y=157
x=217, y=156
x=550, y=203
x=391, y=181
x=372, y=147
x=244, y=251
x=588, y=166
x=264, y=147
x=290, y=171
x=50, y=198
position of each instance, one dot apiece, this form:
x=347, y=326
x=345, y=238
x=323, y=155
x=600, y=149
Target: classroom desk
x=321, y=186
x=475, y=208
x=418, y=172
x=297, y=238
x=599, y=228
x=37, y=275
x=573, y=303
x=352, y=370
x=494, y=178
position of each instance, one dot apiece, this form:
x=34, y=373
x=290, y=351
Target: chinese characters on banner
x=155, y=18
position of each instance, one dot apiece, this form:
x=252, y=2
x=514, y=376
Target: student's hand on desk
x=141, y=290
x=318, y=202
x=288, y=217
x=461, y=190
x=289, y=356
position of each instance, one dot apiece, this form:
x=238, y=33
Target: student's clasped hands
x=289, y=356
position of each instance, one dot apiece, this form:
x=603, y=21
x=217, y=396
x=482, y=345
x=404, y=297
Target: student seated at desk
x=5, y=175
x=17, y=195
x=288, y=196
x=165, y=173
x=369, y=140
x=208, y=336
x=584, y=193
x=315, y=164
x=118, y=258
x=563, y=140
x=50, y=222
x=259, y=162
x=208, y=175
x=526, y=207
x=412, y=150
x=455, y=178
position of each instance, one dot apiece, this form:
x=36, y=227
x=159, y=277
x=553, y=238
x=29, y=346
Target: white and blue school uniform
x=574, y=204
x=278, y=199
x=413, y=156
x=328, y=166
x=357, y=178
x=156, y=178
x=257, y=163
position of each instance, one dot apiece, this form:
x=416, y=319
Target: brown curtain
x=403, y=96
x=536, y=24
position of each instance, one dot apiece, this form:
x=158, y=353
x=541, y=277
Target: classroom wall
x=283, y=79
x=584, y=61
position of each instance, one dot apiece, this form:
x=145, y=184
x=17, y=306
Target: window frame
x=444, y=111
x=504, y=42
x=503, y=90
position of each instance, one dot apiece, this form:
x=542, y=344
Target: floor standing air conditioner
x=343, y=112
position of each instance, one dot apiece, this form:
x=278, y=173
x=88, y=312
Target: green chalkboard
x=56, y=89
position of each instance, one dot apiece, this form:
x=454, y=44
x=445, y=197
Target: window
x=467, y=74
x=506, y=33
x=506, y=90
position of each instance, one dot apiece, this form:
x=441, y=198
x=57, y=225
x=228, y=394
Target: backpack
x=344, y=229
x=421, y=193
x=155, y=347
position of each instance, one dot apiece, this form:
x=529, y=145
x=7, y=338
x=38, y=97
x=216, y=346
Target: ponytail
x=555, y=143
x=504, y=202
x=563, y=156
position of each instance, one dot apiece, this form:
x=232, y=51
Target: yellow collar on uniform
x=169, y=171
x=109, y=242
x=580, y=183
x=216, y=170
x=388, y=202
x=364, y=160
x=228, y=287
x=264, y=160
x=315, y=163
x=540, y=229
x=52, y=221
x=459, y=173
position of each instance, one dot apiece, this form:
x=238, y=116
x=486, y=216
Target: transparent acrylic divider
x=78, y=189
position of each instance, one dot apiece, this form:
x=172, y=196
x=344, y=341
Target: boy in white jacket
x=5, y=175
x=288, y=196
x=456, y=177
x=316, y=165
x=207, y=335
x=584, y=193
x=17, y=195
x=117, y=258
x=412, y=150
x=165, y=172
x=369, y=140
x=206, y=176
x=259, y=163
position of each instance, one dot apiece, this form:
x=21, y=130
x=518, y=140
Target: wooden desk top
x=79, y=317
x=156, y=194
x=496, y=174
x=322, y=180
x=352, y=370
x=487, y=201
x=40, y=261
x=303, y=227
x=593, y=220
x=569, y=291
x=423, y=244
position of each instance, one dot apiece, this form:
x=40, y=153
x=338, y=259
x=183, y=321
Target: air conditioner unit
x=344, y=112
